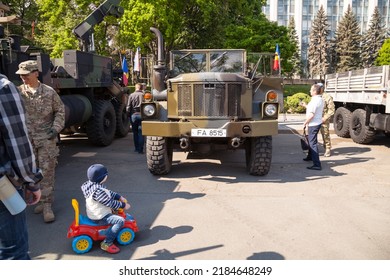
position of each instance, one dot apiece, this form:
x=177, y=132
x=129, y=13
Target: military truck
x=211, y=101
x=95, y=103
x=362, y=102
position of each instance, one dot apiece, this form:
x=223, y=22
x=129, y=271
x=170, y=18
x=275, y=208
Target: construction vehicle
x=362, y=102
x=95, y=103
x=210, y=102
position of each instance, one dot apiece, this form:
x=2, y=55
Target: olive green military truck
x=95, y=103
x=212, y=100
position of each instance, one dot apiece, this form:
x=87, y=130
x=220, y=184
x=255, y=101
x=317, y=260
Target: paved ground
x=211, y=209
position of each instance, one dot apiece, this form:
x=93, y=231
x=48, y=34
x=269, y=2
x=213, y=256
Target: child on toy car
x=100, y=203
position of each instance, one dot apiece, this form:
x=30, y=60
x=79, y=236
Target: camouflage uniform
x=328, y=113
x=45, y=111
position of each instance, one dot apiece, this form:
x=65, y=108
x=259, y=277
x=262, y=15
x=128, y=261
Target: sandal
x=109, y=248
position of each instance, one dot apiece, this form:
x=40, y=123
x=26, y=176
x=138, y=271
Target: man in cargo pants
x=328, y=113
x=45, y=120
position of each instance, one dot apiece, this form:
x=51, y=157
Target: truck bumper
x=233, y=129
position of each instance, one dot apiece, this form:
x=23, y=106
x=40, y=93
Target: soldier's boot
x=327, y=153
x=39, y=208
x=48, y=215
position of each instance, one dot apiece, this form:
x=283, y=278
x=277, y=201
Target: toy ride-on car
x=84, y=230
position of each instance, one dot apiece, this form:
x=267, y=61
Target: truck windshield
x=193, y=61
x=226, y=61
x=189, y=62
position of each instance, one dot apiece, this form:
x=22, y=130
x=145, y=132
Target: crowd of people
x=31, y=118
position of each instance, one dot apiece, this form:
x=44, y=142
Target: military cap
x=27, y=67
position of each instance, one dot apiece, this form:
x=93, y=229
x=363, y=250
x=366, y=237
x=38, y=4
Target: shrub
x=293, y=103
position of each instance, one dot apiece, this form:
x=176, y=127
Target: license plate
x=208, y=132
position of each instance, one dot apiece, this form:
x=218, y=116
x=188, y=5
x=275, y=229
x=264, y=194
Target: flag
x=277, y=58
x=125, y=69
x=136, y=61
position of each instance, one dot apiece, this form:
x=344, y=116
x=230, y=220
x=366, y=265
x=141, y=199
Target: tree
x=384, y=54
x=251, y=30
x=27, y=11
x=293, y=65
x=373, y=39
x=59, y=17
x=318, y=55
x=348, y=41
x=184, y=24
x=189, y=24
x=332, y=54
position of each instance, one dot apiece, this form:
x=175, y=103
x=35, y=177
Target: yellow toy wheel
x=82, y=244
x=125, y=236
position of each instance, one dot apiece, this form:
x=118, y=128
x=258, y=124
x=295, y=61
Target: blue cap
x=320, y=84
x=97, y=172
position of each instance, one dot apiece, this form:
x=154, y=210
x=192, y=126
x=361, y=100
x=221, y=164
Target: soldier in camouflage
x=328, y=113
x=45, y=120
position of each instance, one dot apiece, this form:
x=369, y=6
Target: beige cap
x=27, y=67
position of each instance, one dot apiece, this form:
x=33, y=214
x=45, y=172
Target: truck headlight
x=270, y=110
x=149, y=110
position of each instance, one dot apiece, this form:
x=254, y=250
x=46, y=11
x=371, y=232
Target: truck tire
x=122, y=120
x=159, y=152
x=258, y=154
x=341, y=122
x=101, y=126
x=360, y=133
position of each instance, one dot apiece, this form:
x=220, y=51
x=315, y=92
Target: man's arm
x=59, y=112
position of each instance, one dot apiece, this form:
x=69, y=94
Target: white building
x=304, y=12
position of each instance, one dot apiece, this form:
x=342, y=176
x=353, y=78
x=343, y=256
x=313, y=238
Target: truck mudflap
x=229, y=129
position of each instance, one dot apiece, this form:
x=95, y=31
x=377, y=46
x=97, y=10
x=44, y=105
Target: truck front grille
x=210, y=100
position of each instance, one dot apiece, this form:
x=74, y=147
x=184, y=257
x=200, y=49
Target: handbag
x=304, y=142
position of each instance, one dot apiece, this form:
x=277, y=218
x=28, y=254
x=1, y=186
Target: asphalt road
x=212, y=209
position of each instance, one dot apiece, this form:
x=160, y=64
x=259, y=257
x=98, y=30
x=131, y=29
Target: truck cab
x=212, y=102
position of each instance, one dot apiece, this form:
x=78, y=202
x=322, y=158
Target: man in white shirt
x=313, y=124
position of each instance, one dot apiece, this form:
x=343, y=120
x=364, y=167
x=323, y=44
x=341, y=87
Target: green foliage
x=293, y=65
x=348, y=42
x=184, y=24
x=293, y=104
x=59, y=17
x=384, y=54
x=373, y=39
x=23, y=9
x=318, y=55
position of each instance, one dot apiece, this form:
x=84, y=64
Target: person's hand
x=127, y=206
x=123, y=199
x=52, y=134
x=31, y=197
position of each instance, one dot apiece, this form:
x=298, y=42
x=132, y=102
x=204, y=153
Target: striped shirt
x=101, y=194
x=17, y=159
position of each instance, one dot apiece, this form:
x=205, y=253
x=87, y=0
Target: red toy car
x=84, y=231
